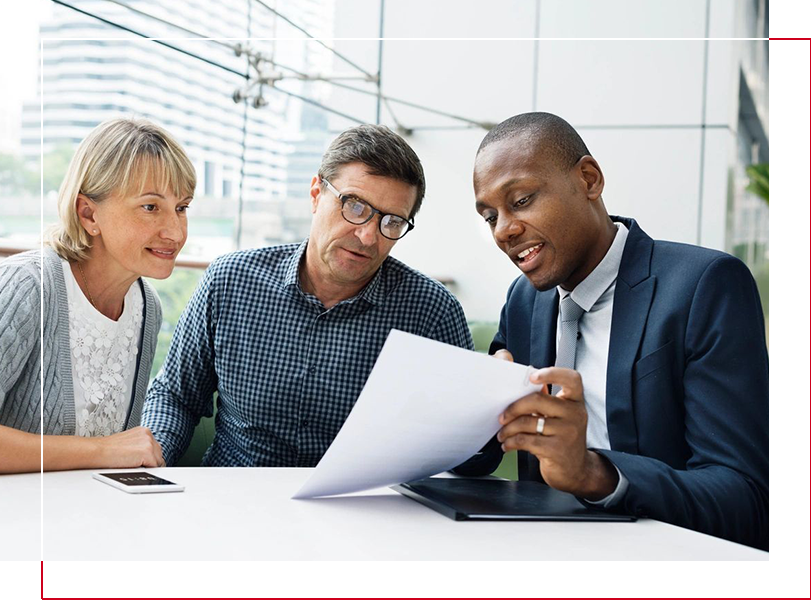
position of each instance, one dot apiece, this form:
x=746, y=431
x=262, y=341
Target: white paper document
x=426, y=408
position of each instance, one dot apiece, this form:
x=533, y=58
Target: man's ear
x=591, y=176
x=315, y=192
x=86, y=209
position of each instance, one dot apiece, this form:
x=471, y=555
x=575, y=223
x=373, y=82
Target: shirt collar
x=373, y=292
x=600, y=279
x=292, y=264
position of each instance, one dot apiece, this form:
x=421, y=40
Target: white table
x=20, y=517
x=247, y=514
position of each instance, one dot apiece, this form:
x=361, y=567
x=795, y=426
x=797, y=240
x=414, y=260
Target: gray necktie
x=570, y=313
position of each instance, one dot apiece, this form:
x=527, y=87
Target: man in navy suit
x=662, y=408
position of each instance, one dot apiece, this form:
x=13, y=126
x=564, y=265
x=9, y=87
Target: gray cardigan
x=21, y=281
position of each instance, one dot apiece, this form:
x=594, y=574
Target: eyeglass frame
x=344, y=198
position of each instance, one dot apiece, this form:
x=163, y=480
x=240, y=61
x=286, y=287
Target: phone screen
x=137, y=479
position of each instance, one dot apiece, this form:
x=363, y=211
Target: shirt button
x=304, y=423
x=311, y=369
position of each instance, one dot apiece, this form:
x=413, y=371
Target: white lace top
x=103, y=359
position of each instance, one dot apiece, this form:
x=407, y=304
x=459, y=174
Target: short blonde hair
x=117, y=158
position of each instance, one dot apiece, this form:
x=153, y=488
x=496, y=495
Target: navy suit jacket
x=687, y=385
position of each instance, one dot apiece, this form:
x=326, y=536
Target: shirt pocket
x=650, y=363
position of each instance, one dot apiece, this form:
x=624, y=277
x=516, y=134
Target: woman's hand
x=131, y=448
x=20, y=451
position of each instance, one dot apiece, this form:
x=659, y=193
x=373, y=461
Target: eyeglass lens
x=358, y=212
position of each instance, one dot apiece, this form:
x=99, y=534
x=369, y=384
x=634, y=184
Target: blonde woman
x=122, y=216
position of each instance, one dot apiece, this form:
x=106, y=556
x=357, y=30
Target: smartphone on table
x=139, y=482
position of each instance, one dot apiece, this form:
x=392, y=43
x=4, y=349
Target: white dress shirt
x=595, y=295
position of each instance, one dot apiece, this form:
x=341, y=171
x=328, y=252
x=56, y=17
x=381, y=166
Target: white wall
x=639, y=106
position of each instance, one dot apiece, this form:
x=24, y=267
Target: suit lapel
x=632, y=300
x=544, y=329
x=541, y=354
x=631, y=306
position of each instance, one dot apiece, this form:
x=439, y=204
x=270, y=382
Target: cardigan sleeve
x=19, y=337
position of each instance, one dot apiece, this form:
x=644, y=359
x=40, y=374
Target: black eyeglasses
x=358, y=212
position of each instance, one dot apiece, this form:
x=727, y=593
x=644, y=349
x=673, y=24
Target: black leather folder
x=497, y=500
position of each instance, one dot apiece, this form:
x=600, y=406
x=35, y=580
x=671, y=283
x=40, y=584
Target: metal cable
x=319, y=105
x=386, y=99
x=169, y=23
x=309, y=35
x=159, y=42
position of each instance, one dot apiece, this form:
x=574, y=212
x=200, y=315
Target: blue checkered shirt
x=287, y=371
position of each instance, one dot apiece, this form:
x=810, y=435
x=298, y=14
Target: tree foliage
x=759, y=180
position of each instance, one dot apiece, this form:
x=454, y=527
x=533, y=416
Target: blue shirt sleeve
x=451, y=326
x=183, y=390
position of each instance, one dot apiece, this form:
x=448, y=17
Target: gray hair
x=383, y=152
x=116, y=158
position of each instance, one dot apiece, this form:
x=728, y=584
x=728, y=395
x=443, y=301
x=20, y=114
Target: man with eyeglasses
x=287, y=335
x=654, y=352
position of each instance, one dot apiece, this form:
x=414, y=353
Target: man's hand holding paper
x=553, y=428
